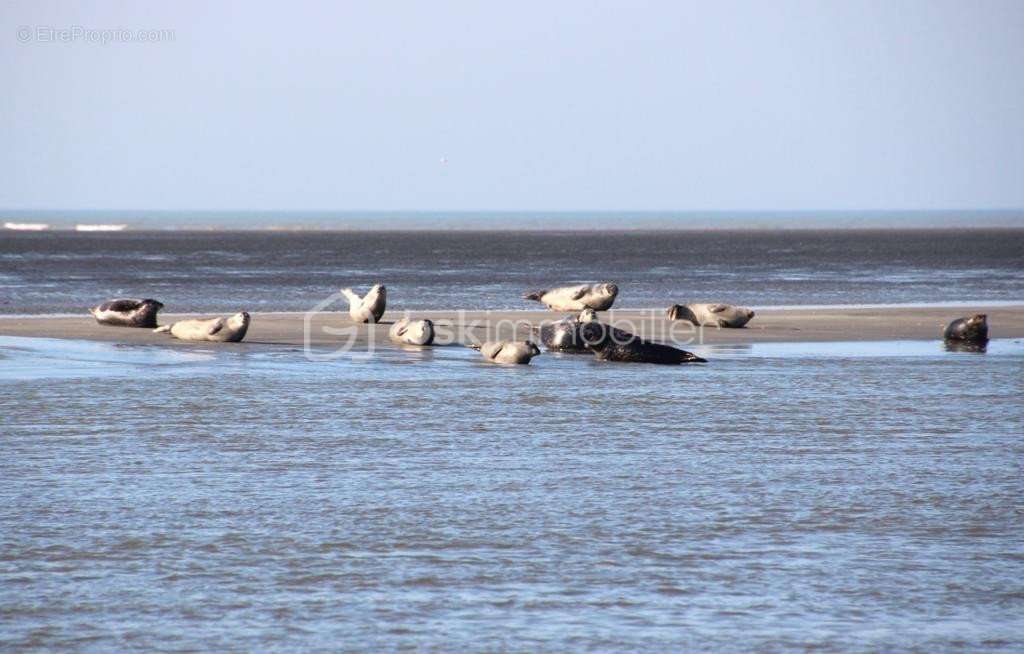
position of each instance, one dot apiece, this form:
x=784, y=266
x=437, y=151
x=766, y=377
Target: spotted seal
x=127, y=313
x=508, y=351
x=221, y=330
x=598, y=297
x=564, y=335
x=412, y=332
x=721, y=315
x=611, y=344
x=369, y=308
x=972, y=329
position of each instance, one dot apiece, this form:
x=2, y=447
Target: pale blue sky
x=533, y=105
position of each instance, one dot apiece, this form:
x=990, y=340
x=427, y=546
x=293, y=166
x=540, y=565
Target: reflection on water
x=976, y=347
x=836, y=496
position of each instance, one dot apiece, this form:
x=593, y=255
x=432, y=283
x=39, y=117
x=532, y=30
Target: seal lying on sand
x=722, y=315
x=973, y=329
x=230, y=330
x=564, y=335
x=598, y=297
x=369, y=308
x=412, y=332
x=508, y=351
x=611, y=344
x=128, y=313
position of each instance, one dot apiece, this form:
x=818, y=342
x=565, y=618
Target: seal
x=369, y=308
x=972, y=329
x=564, y=335
x=412, y=332
x=598, y=297
x=127, y=313
x=221, y=330
x=611, y=344
x=507, y=351
x=721, y=315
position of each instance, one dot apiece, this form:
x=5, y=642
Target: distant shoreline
x=517, y=221
x=68, y=230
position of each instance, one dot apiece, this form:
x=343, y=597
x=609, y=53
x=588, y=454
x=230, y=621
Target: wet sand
x=770, y=325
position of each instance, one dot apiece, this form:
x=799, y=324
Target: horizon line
x=515, y=211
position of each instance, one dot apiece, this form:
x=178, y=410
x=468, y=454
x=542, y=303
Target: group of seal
x=566, y=335
x=577, y=334
x=143, y=313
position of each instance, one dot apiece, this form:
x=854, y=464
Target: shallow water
x=63, y=272
x=836, y=496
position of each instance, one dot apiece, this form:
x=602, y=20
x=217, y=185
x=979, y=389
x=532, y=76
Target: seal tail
x=353, y=299
x=164, y=329
x=536, y=295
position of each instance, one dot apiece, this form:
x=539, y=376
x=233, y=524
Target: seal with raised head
x=564, y=335
x=412, y=332
x=220, y=330
x=127, y=313
x=721, y=315
x=598, y=297
x=611, y=344
x=507, y=351
x=369, y=308
x=973, y=329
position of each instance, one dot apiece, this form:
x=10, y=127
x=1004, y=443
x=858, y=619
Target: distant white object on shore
x=100, y=228
x=27, y=227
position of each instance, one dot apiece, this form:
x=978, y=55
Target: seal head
x=973, y=329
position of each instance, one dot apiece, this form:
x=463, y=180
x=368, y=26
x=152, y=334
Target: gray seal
x=564, y=335
x=598, y=297
x=973, y=329
x=369, y=308
x=412, y=332
x=219, y=330
x=507, y=351
x=611, y=344
x=127, y=313
x=721, y=315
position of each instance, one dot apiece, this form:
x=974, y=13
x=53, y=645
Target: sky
x=342, y=106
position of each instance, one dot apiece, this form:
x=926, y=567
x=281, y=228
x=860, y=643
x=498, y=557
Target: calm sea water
x=841, y=497
x=259, y=271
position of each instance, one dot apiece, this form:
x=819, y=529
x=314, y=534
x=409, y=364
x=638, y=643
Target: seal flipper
x=163, y=329
x=353, y=299
x=216, y=327
x=536, y=295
